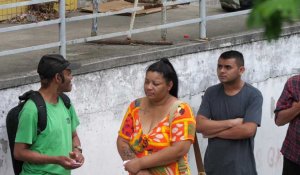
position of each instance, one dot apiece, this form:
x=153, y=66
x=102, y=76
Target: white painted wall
x=101, y=100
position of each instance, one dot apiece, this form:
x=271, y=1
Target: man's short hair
x=233, y=54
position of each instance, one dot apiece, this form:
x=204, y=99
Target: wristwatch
x=78, y=148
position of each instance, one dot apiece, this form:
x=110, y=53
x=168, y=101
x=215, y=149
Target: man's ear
x=57, y=78
x=242, y=69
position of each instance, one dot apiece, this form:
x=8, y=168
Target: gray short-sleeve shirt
x=225, y=156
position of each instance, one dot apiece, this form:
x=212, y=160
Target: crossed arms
x=225, y=129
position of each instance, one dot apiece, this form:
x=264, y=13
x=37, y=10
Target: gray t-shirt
x=225, y=156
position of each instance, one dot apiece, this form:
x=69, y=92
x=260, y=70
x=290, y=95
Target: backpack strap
x=66, y=100
x=37, y=98
x=25, y=96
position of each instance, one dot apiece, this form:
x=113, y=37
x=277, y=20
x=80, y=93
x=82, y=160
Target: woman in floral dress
x=157, y=130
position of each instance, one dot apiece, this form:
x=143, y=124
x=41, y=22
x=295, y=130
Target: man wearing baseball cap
x=56, y=150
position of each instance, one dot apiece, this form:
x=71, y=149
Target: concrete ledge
x=157, y=53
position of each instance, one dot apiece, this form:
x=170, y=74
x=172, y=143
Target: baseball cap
x=51, y=64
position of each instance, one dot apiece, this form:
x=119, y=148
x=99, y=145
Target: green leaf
x=271, y=14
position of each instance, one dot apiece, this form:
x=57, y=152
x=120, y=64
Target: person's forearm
x=285, y=116
x=242, y=131
x=124, y=150
x=211, y=127
x=36, y=158
x=75, y=140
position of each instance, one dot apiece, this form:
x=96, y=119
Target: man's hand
x=67, y=162
x=133, y=166
x=287, y=115
x=296, y=105
x=77, y=156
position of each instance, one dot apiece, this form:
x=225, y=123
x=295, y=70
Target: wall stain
x=4, y=144
x=273, y=104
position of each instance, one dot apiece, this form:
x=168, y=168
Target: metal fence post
x=132, y=19
x=95, y=20
x=202, y=11
x=62, y=27
x=164, y=20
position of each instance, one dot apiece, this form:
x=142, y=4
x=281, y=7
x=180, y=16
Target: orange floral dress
x=182, y=127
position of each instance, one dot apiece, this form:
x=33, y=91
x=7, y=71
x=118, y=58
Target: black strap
x=37, y=98
x=66, y=100
x=26, y=95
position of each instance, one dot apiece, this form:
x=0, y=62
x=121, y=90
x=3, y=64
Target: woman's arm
x=164, y=157
x=127, y=154
x=124, y=150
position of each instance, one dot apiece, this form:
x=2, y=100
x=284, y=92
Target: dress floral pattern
x=181, y=127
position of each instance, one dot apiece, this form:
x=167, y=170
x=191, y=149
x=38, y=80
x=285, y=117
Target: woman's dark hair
x=167, y=70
